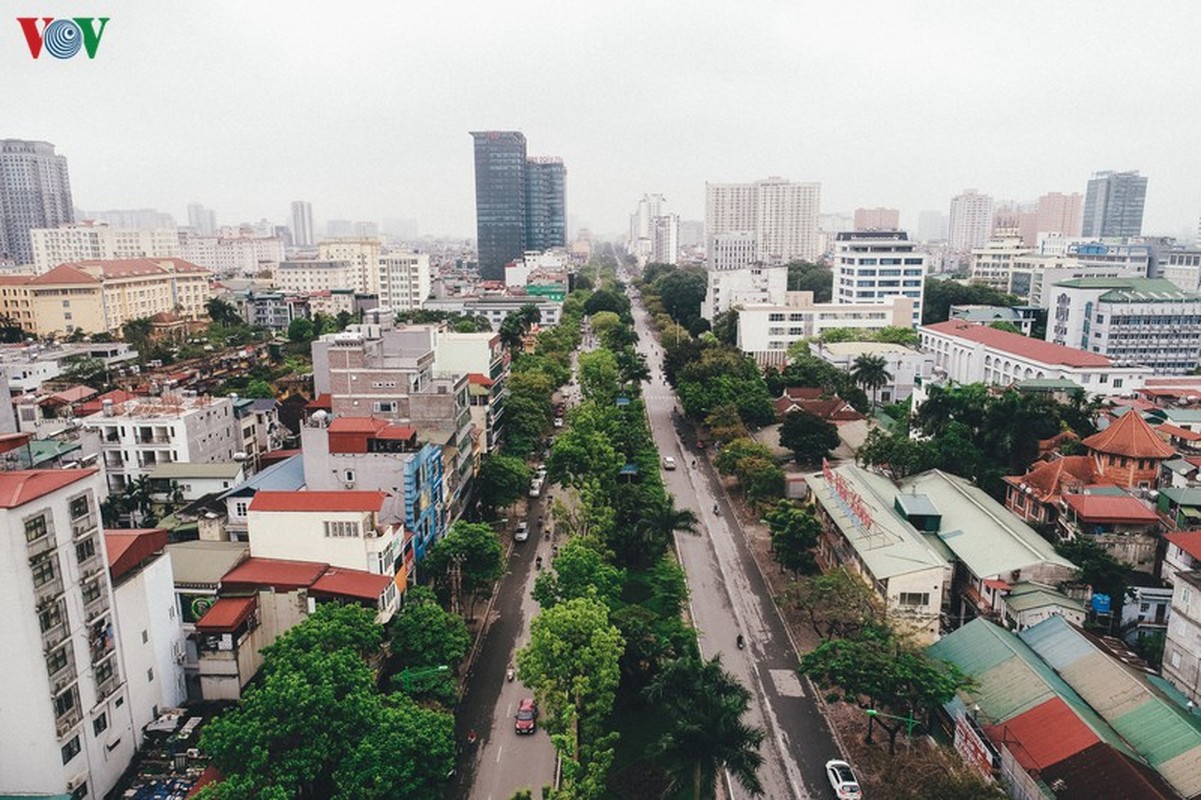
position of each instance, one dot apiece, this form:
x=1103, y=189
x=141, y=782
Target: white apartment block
x=531, y=265
x=234, y=254
x=767, y=330
x=1182, y=649
x=971, y=220
x=873, y=266
x=665, y=239
x=966, y=352
x=993, y=263
x=752, y=284
x=1147, y=321
x=363, y=254
x=88, y=241
x=731, y=251
x=1182, y=267
x=1032, y=276
x=783, y=216
x=66, y=727
x=138, y=435
x=405, y=280
x=306, y=277
x=905, y=365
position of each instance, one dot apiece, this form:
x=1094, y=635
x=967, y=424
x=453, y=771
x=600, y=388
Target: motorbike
x=538, y=562
x=716, y=510
x=740, y=642
x=509, y=675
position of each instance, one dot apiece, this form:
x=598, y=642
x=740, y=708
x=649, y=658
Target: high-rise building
x=404, y=280
x=1059, y=213
x=783, y=216
x=877, y=219
x=500, y=199
x=302, y=223
x=545, y=203
x=874, y=266
x=202, y=220
x=35, y=192
x=971, y=220
x=1113, y=206
x=87, y=241
x=363, y=255
x=665, y=239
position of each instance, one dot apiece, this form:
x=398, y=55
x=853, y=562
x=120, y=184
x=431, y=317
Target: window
x=50, y=616
x=70, y=749
x=43, y=568
x=1176, y=658
x=56, y=660
x=90, y=591
x=775, y=317
x=85, y=549
x=150, y=675
x=914, y=598
x=384, y=406
x=341, y=530
x=78, y=507
x=1117, y=383
x=145, y=636
x=35, y=528
x=64, y=702
x=240, y=507
x=100, y=724
x=104, y=672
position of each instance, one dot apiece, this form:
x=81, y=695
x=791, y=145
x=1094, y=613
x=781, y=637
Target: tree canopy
x=809, y=437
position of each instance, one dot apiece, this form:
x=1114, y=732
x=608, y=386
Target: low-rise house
x=816, y=401
x=1180, y=472
x=1181, y=657
x=1182, y=554
x=1028, y=603
x=186, y=482
x=1180, y=508
x=905, y=365
x=1036, y=497
x=1115, y=522
x=1128, y=453
x=286, y=476
x=1146, y=610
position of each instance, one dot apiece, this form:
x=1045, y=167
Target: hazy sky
x=363, y=108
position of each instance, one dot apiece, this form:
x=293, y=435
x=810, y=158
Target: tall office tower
x=642, y=224
x=35, y=192
x=1059, y=213
x=931, y=226
x=500, y=199
x=665, y=239
x=971, y=220
x=302, y=223
x=67, y=729
x=202, y=220
x=877, y=219
x=1113, y=206
x=545, y=203
x=782, y=215
x=873, y=266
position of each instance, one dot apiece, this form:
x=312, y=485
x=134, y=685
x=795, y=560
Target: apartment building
x=873, y=266
x=101, y=296
x=782, y=215
x=404, y=280
x=305, y=277
x=753, y=284
x=992, y=263
x=15, y=305
x=67, y=727
x=363, y=255
x=92, y=241
x=485, y=361
x=233, y=252
x=767, y=330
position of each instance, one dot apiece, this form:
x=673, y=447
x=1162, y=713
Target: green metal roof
x=1138, y=290
x=1182, y=495
x=1032, y=598
x=43, y=450
x=1178, y=415
x=1052, y=384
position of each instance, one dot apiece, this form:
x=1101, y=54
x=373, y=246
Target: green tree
x=579, y=570
x=704, y=706
x=89, y=371
x=408, y=752
x=501, y=480
x=837, y=604
x=1005, y=325
x=137, y=333
x=643, y=543
x=425, y=635
x=259, y=389
x=806, y=277
x=606, y=300
x=725, y=423
x=809, y=437
x=477, y=551
x=794, y=535
x=871, y=372
x=301, y=331
x=223, y=313
x=600, y=379
x=894, y=334
x=725, y=327
x=940, y=295
x=604, y=322
x=682, y=291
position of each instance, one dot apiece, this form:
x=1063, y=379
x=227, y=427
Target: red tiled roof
x=94, y=271
x=283, y=575
x=339, y=582
x=396, y=432
x=96, y=404
x=11, y=441
x=1018, y=345
x=1044, y=735
x=225, y=615
x=1103, y=508
x=803, y=392
x=74, y=394
x=479, y=379
x=210, y=775
x=323, y=401
x=1048, y=478
x=357, y=425
x=1178, y=432
x=128, y=547
x=23, y=486
x=997, y=584
x=63, y=273
x=317, y=501
x=1130, y=436
x=1188, y=541
x=14, y=280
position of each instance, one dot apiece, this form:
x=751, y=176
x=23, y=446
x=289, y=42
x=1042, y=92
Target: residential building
x=261, y=429
x=151, y=630
x=138, y=219
x=485, y=361
x=495, y=308
x=192, y=481
x=15, y=304
x=273, y=310
x=306, y=277
x=91, y=241
x=783, y=216
x=1114, y=521
x=650, y=208
x=500, y=199
x=906, y=366
x=545, y=203
x=302, y=223
x=966, y=352
x=931, y=226
x=728, y=251
x=1031, y=276
x=35, y=192
x=139, y=434
x=234, y=252
x=101, y=296
x=1113, y=205
x=1128, y=453
x=755, y=283
x=67, y=727
x=877, y=219
x=993, y=262
x=1059, y=213
x=873, y=266
x=201, y=219
x=1021, y=317
x=767, y=330
x=404, y=280
x=363, y=255
x=284, y=476
x=665, y=239
x=333, y=302
x=1183, y=554
x=1147, y=321
x=971, y=220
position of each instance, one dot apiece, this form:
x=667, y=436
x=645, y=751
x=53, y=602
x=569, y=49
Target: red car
x=527, y=716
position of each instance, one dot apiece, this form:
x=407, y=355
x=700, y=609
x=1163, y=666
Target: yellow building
x=15, y=305
x=96, y=296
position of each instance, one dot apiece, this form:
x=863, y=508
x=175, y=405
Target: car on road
x=842, y=780
x=669, y=462
x=527, y=716
x=558, y=422
x=536, y=488
x=523, y=531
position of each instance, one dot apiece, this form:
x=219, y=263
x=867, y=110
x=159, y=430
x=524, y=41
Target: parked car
x=669, y=462
x=523, y=531
x=842, y=780
x=527, y=716
x=535, y=488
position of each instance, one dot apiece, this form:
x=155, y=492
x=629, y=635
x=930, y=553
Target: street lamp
x=406, y=675
x=909, y=721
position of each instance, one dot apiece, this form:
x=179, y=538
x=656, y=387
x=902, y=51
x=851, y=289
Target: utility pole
x=456, y=580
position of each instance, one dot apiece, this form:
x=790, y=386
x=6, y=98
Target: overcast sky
x=364, y=108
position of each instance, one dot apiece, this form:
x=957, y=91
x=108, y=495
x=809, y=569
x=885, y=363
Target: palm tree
x=871, y=372
x=705, y=704
x=646, y=539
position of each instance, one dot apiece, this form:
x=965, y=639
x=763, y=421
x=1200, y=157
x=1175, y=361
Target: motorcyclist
x=740, y=641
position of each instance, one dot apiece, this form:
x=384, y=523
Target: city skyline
x=390, y=141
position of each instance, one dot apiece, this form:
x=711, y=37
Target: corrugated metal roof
x=1044, y=735
x=1098, y=772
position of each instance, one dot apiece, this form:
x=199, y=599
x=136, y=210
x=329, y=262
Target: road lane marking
x=499, y=750
x=787, y=682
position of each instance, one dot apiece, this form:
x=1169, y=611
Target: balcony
x=81, y=527
x=49, y=590
x=106, y=686
x=61, y=679
x=96, y=607
x=66, y=722
x=40, y=545
x=54, y=636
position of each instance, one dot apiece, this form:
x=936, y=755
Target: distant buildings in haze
x=1113, y=206
x=35, y=192
x=782, y=215
x=302, y=223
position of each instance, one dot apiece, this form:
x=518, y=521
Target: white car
x=558, y=422
x=522, y=533
x=842, y=780
x=536, y=488
x=669, y=462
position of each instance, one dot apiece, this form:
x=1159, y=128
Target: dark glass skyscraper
x=500, y=199
x=1113, y=206
x=545, y=203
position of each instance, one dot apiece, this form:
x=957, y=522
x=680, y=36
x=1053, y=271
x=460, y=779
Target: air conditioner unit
x=76, y=782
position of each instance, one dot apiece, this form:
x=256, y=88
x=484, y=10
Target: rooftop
x=874, y=348
x=1130, y=436
x=1102, y=771
x=318, y=501
x=339, y=582
x=204, y=563
x=287, y=475
x=1101, y=509
x=24, y=486
x=1138, y=290
x=1046, y=734
x=282, y=575
x=186, y=469
x=129, y=547
x=1021, y=346
x=225, y=615
x=1188, y=541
